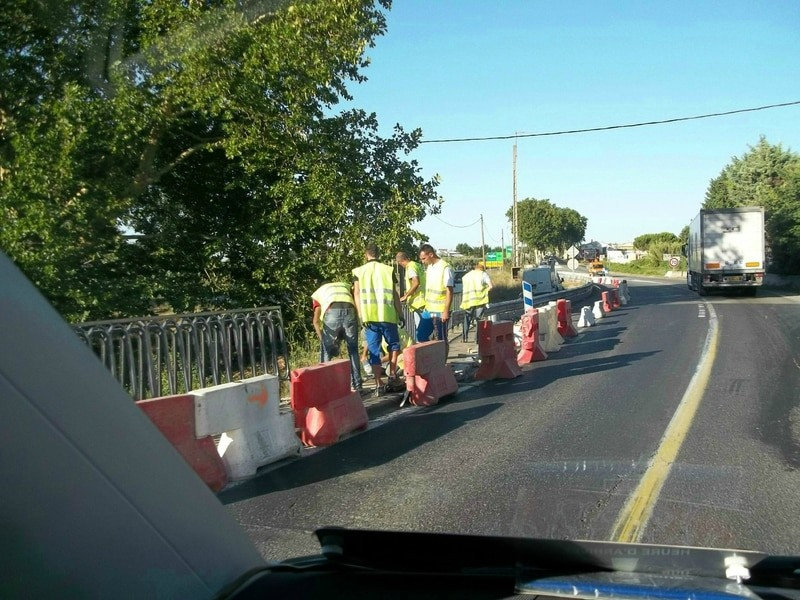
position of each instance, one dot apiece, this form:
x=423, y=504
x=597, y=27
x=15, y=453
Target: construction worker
x=438, y=289
x=414, y=296
x=335, y=317
x=474, y=296
x=379, y=308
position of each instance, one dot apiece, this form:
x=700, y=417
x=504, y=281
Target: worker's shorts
x=376, y=331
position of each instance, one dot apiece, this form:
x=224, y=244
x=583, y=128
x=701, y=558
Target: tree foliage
x=769, y=176
x=545, y=227
x=647, y=240
x=210, y=129
x=684, y=235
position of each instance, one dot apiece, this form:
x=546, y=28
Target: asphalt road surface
x=559, y=451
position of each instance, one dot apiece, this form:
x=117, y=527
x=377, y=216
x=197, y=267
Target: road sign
x=508, y=251
x=673, y=262
x=572, y=264
x=494, y=259
x=572, y=252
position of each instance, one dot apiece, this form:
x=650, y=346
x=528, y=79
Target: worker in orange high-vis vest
x=335, y=318
x=474, y=297
x=379, y=308
x=438, y=290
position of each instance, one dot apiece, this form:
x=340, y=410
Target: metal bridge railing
x=173, y=354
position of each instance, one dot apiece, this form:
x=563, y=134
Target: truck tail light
x=752, y=264
x=714, y=265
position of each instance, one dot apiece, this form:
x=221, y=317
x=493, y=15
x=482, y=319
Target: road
x=559, y=451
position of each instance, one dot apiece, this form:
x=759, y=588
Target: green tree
x=684, y=235
x=545, y=227
x=466, y=249
x=648, y=240
x=765, y=176
x=210, y=129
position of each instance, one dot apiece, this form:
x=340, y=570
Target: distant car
x=597, y=269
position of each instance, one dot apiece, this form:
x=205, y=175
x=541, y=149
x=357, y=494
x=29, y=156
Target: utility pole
x=514, y=215
x=483, y=244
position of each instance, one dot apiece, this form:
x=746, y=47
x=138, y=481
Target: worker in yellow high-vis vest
x=438, y=289
x=474, y=297
x=378, y=306
x=335, y=318
x=414, y=296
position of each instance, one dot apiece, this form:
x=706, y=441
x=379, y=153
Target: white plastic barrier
x=623, y=292
x=587, y=318
x=550, y=339
x=598, y=311
x=246, y=414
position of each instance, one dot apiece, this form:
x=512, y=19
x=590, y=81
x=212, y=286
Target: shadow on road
x=369, y=449
x=545, y=374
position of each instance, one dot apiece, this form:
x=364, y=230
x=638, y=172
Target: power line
x=609, y=127
x=458, y=226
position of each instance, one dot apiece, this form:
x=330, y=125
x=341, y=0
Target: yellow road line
x=638, y=508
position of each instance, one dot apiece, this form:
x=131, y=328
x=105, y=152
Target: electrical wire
x=458, y=226
x=609, y=127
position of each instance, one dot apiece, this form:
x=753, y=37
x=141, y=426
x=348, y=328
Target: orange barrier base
x=324, y=407
x=496, y=348
x=428, y=377
x=174, y=417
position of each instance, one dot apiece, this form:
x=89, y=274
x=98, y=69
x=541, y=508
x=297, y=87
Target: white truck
x=725, y=250
x=542, y=279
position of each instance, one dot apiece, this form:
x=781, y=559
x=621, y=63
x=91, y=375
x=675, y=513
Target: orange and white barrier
x=586, y=319
x=174, y=416
x=246, y=416
x=598, y=311
x=428, y=376
x=530, y=349
x=497, y=352
x=607, y=303
x=564, y=312
x=548, y=329
x=324, y=407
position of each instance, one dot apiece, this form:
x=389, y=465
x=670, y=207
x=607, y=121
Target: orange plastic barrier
x=428, y=376
x=565, y=327
x=174, y=417
x=531, y=350
x=607, y=306
x=324, y=407
x=497, y=352
x=615, y=303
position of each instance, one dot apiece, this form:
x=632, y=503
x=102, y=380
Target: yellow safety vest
x=435, y=288
x=332, y=292
x=417, y=301
x=474, y=292
x=377, y=292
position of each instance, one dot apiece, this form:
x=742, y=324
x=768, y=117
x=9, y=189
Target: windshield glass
x=217, y=191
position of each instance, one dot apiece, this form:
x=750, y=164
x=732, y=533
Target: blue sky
x=478, y=68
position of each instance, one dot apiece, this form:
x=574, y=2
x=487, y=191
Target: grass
x=645, y=266
x=504, y=287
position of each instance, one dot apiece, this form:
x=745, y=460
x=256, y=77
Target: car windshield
x=212, y=192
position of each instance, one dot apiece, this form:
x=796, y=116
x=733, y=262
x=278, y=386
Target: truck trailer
x=726, y=250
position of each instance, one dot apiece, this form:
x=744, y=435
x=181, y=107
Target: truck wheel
x=701, y=291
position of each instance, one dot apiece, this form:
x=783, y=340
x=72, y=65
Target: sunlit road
x=558, y=451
